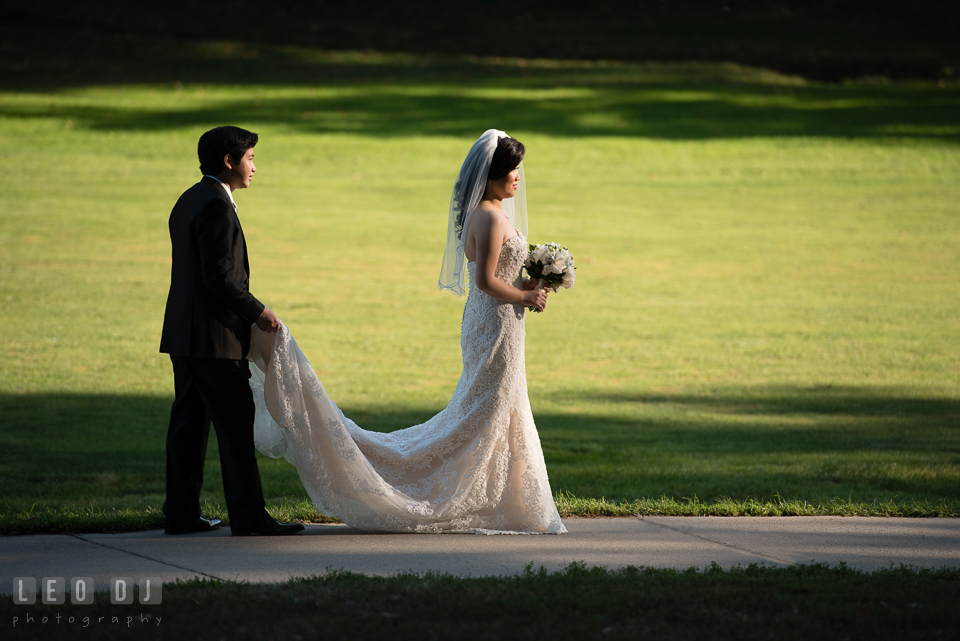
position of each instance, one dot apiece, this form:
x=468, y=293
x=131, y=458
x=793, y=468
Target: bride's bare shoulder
x=486, y=216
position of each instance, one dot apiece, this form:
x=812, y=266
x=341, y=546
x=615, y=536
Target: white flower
x=569, y=278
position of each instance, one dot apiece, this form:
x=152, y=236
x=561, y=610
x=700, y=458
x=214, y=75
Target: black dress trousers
x=217, y=390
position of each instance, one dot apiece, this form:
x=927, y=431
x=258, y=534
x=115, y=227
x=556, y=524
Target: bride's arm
x=489, y=232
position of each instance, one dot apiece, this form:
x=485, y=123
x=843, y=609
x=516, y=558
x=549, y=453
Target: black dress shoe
x=202, y=525
x=270, y=527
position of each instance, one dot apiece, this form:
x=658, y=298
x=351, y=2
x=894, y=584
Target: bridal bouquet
x=552, y=264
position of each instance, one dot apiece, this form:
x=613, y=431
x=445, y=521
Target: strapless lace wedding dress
x=477, y=466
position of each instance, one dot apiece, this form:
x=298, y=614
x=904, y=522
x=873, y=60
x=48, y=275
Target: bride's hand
x=530, y=284
x=536, y=298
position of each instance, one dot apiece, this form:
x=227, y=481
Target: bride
x=477, y=466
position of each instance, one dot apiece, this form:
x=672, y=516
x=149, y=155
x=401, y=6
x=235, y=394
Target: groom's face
x=242, y=171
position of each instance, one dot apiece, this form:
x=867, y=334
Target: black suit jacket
x=209, y=308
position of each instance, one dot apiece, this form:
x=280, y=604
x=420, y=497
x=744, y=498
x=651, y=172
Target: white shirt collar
x=225, y=188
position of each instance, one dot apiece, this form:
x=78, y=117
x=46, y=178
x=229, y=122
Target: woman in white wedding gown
x=477, y=466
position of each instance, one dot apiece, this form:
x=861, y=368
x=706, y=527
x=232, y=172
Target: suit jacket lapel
x=215, y=184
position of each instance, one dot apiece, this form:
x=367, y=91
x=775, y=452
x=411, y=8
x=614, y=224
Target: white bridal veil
x=467, y=193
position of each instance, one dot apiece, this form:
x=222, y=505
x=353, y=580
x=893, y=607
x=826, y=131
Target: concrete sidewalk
x=677, y=542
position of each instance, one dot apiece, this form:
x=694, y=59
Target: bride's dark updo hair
x=508, y=155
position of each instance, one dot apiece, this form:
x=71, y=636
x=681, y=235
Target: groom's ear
x=228, y=161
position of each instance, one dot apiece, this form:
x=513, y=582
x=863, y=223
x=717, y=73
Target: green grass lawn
x=766, y=310
x=756, y=602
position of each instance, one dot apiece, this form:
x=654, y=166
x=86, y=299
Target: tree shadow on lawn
x=861, y=443
x=817, y=399
x=430, y=96
x=797, y=442
x=649, y=112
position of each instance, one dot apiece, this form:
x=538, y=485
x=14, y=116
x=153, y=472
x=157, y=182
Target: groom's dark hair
x=508, y=155
x=220, y=141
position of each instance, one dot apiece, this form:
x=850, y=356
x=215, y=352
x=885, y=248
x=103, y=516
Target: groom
x=206, y=332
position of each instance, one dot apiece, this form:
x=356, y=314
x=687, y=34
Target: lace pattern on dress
x=477, y=466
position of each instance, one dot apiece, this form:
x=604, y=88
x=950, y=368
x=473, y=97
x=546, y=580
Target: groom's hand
x=268, y=321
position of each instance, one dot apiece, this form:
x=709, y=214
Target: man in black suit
x=206, y=332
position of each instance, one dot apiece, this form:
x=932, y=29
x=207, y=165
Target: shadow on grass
x=822, y=399
x=404, y=95
x=808, y=601
x=798, y=443
x=61, y=447
x=103, y=449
